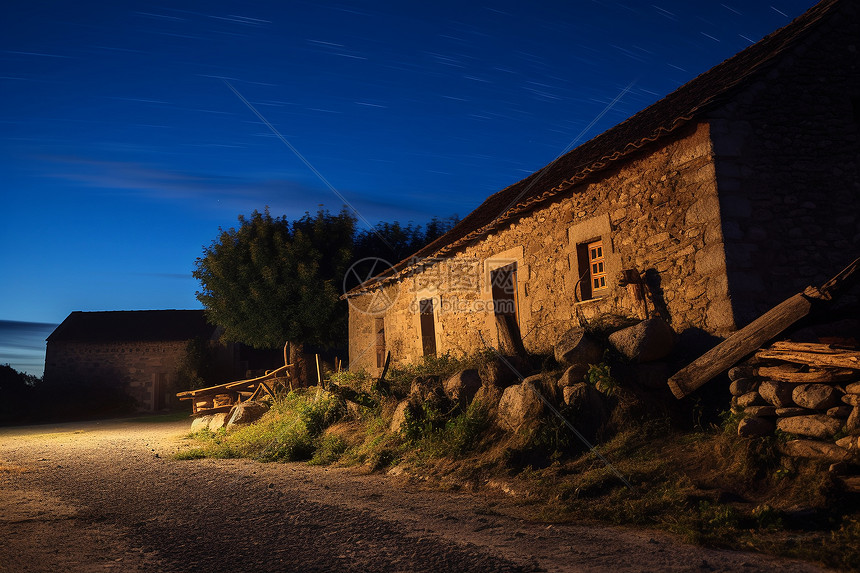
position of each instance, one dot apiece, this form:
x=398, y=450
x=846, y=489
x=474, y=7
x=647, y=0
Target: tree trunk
x=300, y=365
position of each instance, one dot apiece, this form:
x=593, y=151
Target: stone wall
x=658, y=214
x=809, y=391
x=787, y=150
x=143, y=369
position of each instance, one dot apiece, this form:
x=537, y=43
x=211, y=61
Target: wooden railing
x=223, y=397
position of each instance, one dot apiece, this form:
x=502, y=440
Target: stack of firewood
x=809, y=390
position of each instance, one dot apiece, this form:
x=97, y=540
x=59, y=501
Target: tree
x=270, y=280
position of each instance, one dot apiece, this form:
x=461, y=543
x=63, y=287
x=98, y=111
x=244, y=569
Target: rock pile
x=811, y=390
x=505, y=386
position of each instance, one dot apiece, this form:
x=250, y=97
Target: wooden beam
x=743, y=342
x=751, y=337
x=837, y=360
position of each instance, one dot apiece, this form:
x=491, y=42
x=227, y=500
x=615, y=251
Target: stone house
x=139, y=351
x=733, y=192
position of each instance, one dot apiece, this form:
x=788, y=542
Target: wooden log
x=815, y=347
x=849, y=359
x=214, y=410
x=792, y=375
x=510, y=339
x=740, y=344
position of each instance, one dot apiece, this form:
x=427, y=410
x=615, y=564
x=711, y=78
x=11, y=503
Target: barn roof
x=654, y=123
x=133, y=326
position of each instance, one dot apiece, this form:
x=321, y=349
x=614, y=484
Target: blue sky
x=123, y=150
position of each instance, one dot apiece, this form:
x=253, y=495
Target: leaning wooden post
x=752, y=336
x=510, y=340
x=319, y=374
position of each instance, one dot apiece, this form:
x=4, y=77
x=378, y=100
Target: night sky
x=123, y=149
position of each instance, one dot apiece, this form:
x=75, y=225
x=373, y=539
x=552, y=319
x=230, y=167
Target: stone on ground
x=751, y=399
x=852, y=424
x=777, y=394
x=743, y=386
x=586, y=408
x=647, y=341
x=502, y=373
x=576, y=348
x=760, y=411
x=816, y=426
x=218, y=421
x=462, y=386
x=201, y=423
x=573, y=375
x=815, y=396
x=247, y=412
x=519, y=407
x=399, y=417
x=815, y=450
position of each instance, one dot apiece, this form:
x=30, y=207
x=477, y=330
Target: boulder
x=760, y=411
x=842, y=411
x=426, y=389
x=247, y=412
x=852, y=424
x=399, y=417
x=519, y=407
x=201, y=423
x=218, y=421
x=776, y=393
x=815, y=450
x=576, y=348
x=462, y=386
x=546, y=386
x=586, y=408
x=751, y=399
x=816, y=426
x=571, y=376
x=489, y=396
x=792, y=411
x=647, y=341
x=851, y=399
x=502, y=373
x=815, y=396
x=755, y=427
x=742, y=371
x=853, y=388
x=849, y=442
x=743, y=386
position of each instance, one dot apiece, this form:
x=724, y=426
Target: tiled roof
x=649, y=125
x=133, y=326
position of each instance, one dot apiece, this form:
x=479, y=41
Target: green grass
x=290, y=431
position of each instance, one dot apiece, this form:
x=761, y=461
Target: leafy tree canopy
x=270, y=280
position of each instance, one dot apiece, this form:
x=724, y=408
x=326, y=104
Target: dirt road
x=108, y=496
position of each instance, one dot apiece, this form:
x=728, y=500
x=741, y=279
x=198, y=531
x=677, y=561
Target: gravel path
x=107, y=496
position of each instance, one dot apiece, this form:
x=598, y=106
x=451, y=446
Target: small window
x=591, y=259
x=597, y=262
